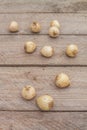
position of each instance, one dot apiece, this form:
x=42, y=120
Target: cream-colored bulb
x=35, y=27
x=28, y=92
x=54, y=31
x=30, y=47
x=62, y=80
x=47, y=51
x=45, y=102
x=72, y=50
x=13, y=27
x=55, y=23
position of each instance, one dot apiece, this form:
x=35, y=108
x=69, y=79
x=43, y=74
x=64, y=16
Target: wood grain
x=19, y=114
x=5, y=120
x=43, y=121
x=22, y=6
x=71, y=23
x=13, y=79
x=12, y=50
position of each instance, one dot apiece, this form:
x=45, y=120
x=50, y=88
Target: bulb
x=72, y=50
x=47, y=51
x=53, y=31
x=30, y=47
x=28, y=92
x=13, y=26
x=35, y=27
x=55, y=23
x=62, y=80
x=45, y=102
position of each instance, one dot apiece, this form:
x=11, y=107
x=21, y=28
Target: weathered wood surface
x=19, y=114
x=43, y=121
x=13, y=79
x=22, y=6
x=71, y=23
x=12, y=50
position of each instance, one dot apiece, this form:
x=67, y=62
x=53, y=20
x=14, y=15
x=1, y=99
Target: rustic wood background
x=18, y=68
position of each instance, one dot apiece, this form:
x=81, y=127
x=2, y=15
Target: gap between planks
x=34, y=34
x=30, y=12
x=38, y=65
x=52, y=111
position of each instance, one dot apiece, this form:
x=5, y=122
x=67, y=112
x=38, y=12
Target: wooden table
x=18, y=69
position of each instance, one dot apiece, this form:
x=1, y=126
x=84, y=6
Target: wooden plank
x=12, y=50
x=5, y=120
x=71, y=23
x=12, y=6
x=13, y=79
x=43, y=121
